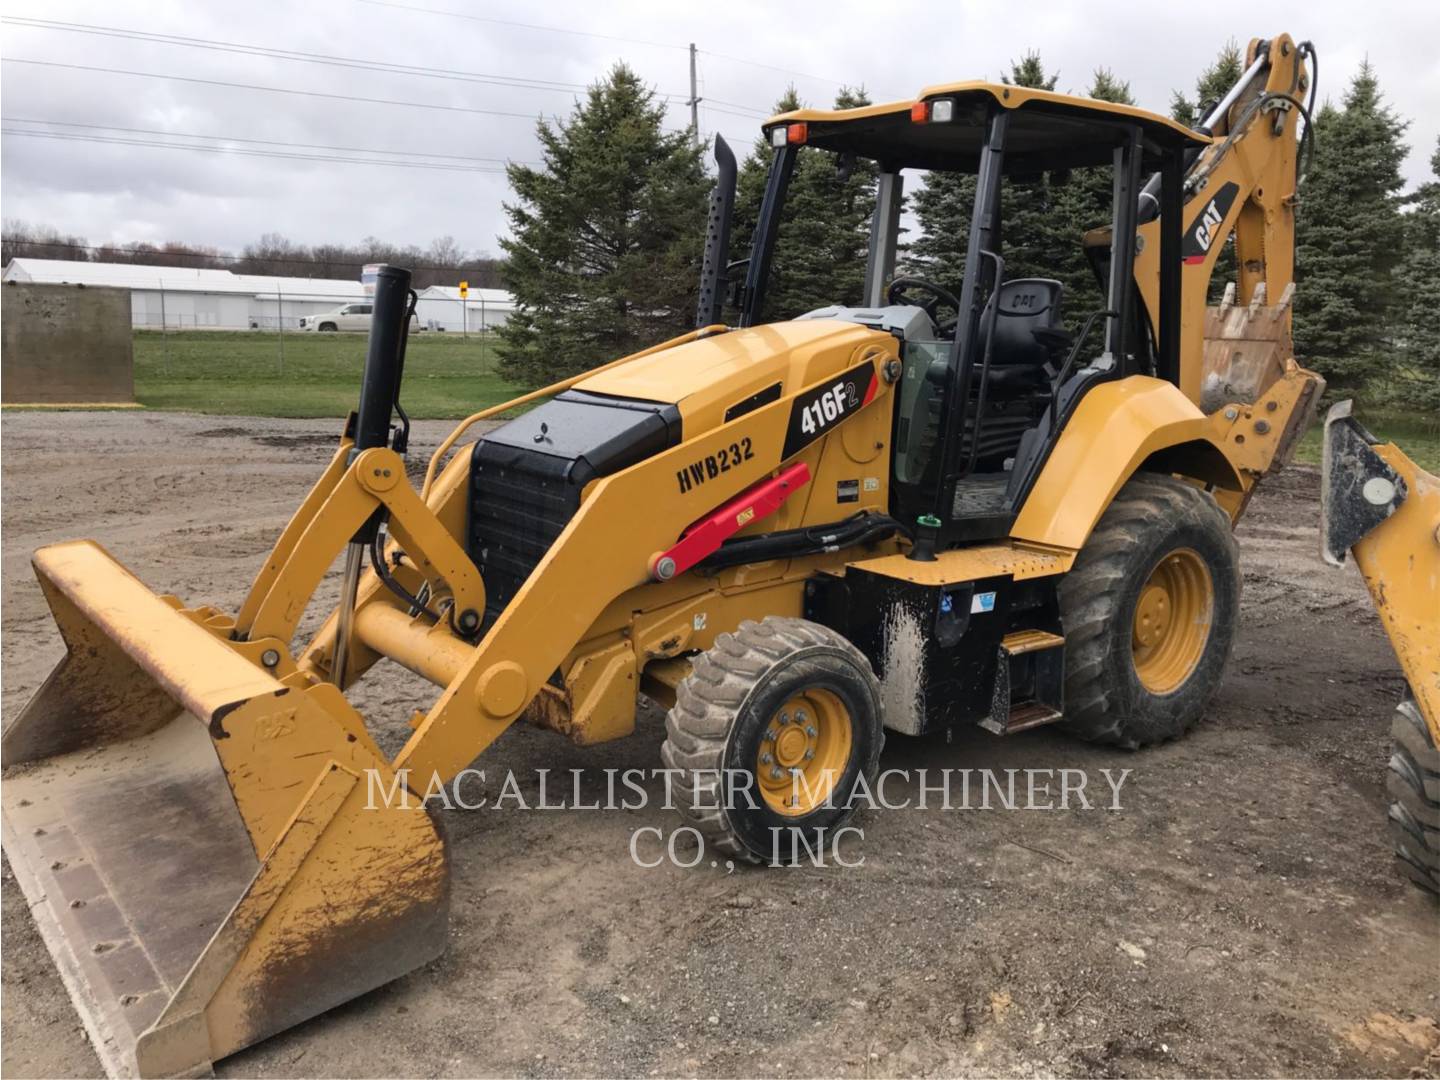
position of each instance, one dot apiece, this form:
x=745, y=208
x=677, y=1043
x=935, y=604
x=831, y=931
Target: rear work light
x=793, y=134
x=932, y=112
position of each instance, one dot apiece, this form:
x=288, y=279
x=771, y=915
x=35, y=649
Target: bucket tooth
x=210, y=855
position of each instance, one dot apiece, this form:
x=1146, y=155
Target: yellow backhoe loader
x=1384, y=509
x=925, y=511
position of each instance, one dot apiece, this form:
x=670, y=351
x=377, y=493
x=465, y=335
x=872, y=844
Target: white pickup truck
x=355, y=317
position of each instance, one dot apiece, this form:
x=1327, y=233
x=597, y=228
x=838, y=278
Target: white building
x=440, y=308
x=185, y=298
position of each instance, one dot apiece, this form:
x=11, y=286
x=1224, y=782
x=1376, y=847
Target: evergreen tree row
x=606, y=233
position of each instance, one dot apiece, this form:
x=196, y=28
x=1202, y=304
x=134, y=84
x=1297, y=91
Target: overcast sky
x=114, y=191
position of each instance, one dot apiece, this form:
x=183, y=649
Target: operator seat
x=1028, y=337
x=1019, y=354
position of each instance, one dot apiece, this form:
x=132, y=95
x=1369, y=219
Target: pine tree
x=1419, y=288
x=943, y=209
x=750, y=182
x=1210, y=89
x=1212, y=86
x=1350, y=237
x=820, y=250
x=1031, y=229
x=1084, y=202
x=606, y=235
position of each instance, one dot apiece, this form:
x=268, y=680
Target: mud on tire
x=1413, y=782
x=1151, y=518
x=724, y=708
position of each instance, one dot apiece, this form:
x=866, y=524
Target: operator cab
x=990, y=373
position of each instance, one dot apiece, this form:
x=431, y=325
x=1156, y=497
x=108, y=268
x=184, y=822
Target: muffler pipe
x=379, y=398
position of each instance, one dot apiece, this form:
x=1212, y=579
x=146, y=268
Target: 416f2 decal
x=821, y=407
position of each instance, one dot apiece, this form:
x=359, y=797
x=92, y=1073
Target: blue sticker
x=982, y=603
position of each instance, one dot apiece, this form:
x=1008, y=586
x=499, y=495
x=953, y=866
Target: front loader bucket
x=210, y=854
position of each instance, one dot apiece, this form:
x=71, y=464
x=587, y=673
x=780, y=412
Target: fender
x=1117, y=427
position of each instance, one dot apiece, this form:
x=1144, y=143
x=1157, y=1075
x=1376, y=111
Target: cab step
x=1029, y=682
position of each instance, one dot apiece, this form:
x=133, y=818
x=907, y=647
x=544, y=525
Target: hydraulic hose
x=794, y=543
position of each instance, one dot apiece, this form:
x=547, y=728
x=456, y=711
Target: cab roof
x=1046, y=131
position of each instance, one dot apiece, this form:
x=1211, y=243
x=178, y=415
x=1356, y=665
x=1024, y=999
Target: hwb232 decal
x=820, y=408
x=712, y=465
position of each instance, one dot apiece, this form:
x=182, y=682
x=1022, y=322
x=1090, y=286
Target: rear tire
x=778, y=695
x=1414, y=786
x=1149, y=614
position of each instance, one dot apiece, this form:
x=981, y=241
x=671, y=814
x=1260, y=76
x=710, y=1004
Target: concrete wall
x=65, y=344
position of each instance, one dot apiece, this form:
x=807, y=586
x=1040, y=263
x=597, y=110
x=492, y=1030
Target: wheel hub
x=804, y=752
x=1152, y=615
x=1172, y=621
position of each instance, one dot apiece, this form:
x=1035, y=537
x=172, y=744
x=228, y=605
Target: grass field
x=1416, y=434
x=246, y=373
x=446, y=377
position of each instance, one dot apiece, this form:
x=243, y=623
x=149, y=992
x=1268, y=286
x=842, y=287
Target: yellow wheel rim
x=1172, y=621
x=803, y=752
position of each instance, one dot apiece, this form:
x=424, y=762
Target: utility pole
x=694, y=100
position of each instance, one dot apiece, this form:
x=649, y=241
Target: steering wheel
x=939, y=296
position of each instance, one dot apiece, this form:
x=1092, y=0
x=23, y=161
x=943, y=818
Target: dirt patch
x=1239, y=915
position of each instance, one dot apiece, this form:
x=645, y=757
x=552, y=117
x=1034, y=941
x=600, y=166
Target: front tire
x=773, y=729
x=327, y=328
x=1414, y=786
x=1149, y=614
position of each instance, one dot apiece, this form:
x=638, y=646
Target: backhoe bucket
x=210, y=854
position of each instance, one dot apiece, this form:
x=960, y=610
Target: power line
x=523, y=25
x=65, y=136
x=594, y=34
x=278, y=89
x=772, y=67
x=272, y=89
x=328, y=59
x=265, y=142
x=761, y=113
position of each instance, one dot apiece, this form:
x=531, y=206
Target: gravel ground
x=1239, y=915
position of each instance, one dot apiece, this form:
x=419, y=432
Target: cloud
x=749, y=53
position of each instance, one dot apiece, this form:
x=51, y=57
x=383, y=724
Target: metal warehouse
x=440, y=308
x=186, y=298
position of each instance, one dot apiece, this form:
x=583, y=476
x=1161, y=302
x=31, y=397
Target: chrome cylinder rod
x=344, y=624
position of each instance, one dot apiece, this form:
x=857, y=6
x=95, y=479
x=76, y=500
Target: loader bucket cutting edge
x=199, y=843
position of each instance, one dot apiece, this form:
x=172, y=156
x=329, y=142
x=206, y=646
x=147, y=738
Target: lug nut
x=784, y=719
x=810, y=730
x=775, y=773
x=799, y=716
x=766, y=759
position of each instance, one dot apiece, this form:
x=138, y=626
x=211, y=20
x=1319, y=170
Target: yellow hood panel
x=707, y=376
